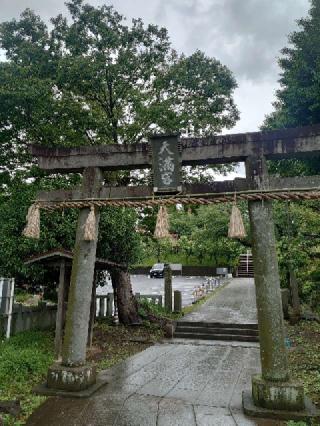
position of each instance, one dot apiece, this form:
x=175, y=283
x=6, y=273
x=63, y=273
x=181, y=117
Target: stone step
x=229, y=337
x=251, y=326
x=209, y=330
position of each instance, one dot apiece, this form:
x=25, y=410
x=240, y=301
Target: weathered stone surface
x=283, y=143
x=206, y=415
x=165, y=384
x=173, y=412
x=273, y=353
x=310, y=412
x=235, y=185
x=168, y=288
x=168, y=329
x=139, y=410
x=277, y=395
x=234, y=303
x=177, y=301
x=270, y=318
x=185, y=378
x=79, y=299
x=71, y=378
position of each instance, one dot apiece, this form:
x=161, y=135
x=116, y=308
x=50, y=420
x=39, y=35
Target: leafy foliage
x=298, y=104
x=24, y=361
x=117, y=242
x=92, y=79
x=200, y=237
x=57, y=231
x=304, y=358
x=298, y=99
x=298, y=242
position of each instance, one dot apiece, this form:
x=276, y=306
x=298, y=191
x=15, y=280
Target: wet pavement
x=234, y=303
x=179, y=382
x=168, y=384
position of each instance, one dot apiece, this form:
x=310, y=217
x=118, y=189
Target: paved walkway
x=171, y=384
x=235, y=303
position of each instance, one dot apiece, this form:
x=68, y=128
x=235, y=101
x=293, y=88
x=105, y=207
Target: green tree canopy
x=298, y=99
x=298, y=104
x=94, y=79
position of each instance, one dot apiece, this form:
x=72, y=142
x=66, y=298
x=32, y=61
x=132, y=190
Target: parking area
x=145, y=285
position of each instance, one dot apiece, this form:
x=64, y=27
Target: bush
x=147, y=308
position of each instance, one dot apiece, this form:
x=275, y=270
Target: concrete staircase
x=245, y=268
x=217, y=331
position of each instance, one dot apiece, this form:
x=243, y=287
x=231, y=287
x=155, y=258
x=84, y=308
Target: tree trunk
x=126, y=302
x=294, y=288
x=159, y=251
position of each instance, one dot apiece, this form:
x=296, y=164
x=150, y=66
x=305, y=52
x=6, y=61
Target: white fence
x=6, y=301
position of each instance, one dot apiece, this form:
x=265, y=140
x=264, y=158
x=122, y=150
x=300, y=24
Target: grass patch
x=24, y=360
x=304, y=360
x=113, y=344
x=304, y=357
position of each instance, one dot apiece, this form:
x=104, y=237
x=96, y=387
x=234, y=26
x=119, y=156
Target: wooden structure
x=273, y=389
x=61, y=260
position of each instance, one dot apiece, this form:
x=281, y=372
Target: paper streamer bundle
x=32, y=228
x=90, y=226
x=162, y=225
x=236, y=227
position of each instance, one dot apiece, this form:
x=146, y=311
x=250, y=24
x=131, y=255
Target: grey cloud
x=46, y=8
x=246, y=35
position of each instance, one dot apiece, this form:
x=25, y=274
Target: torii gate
x=272, y=390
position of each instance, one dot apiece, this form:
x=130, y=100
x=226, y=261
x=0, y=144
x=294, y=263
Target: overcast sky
x=245, y=35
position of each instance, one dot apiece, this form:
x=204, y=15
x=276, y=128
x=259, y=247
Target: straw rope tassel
x=162, y=225
x=32, y=228
x=90, y=226
x=236, y=227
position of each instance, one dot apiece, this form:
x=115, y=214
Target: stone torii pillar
x=272, y=389
x=73, y=374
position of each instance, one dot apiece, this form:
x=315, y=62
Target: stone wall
x=26, y=318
